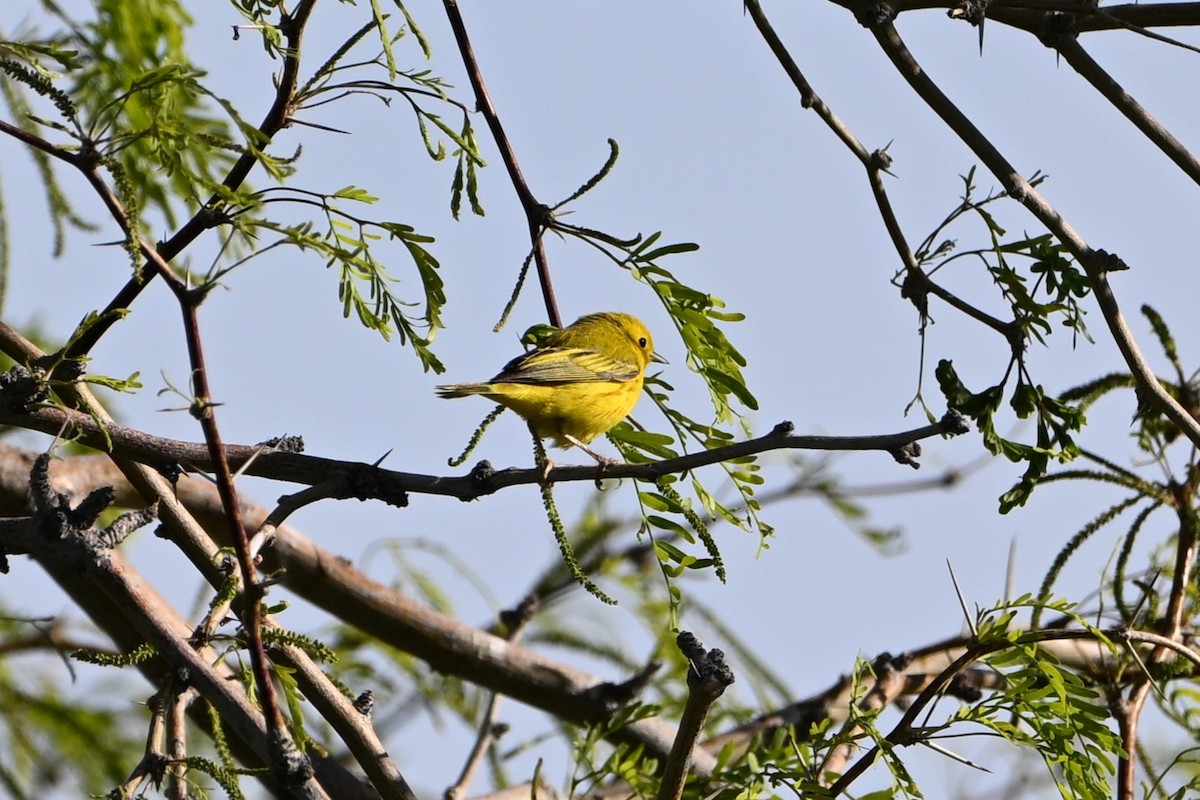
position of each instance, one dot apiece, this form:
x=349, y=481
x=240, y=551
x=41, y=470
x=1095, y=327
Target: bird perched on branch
x=578, y=383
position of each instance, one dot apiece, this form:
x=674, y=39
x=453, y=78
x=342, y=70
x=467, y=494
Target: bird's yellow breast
x=580, y=410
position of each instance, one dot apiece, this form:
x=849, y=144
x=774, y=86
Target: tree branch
x=331, y=583
x=535, y=212
x=366, y=481
x=1096, y=263
x=1067, y=45
x=707, y=678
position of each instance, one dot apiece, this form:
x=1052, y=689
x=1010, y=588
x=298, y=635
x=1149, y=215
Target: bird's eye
x=642, y=342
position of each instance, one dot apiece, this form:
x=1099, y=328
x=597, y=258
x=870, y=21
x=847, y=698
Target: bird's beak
x=656, y=357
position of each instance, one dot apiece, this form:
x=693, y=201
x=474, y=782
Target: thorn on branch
x=907, y=454
x=881, y=159
x=367, y=483
x=543, y=216
x=154, y=766
x=1104, y=261
x=171, y=471
x=213, y=215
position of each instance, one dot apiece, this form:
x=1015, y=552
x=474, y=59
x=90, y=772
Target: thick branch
x=331, y=583
x=127, y=607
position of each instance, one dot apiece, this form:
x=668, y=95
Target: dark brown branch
x=1029, y=15
x=808, y=97
x=1009, y=330
x=1070, y=49
x=38, y=143
x=365, y=481
x=535, y=212
x=286, y=754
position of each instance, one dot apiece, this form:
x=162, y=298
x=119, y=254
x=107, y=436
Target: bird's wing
x=566, y=365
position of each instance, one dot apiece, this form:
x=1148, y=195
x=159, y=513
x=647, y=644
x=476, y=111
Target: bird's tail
x=463, y=389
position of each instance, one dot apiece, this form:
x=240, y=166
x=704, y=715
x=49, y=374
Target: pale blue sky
x=715, y=150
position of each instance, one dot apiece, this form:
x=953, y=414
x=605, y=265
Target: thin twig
x=535, y=213
x=876, y=164
x=276, y=118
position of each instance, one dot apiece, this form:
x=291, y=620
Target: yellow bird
x=576, y=385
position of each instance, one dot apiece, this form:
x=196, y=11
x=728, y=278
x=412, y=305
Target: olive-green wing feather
x=566, y=365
